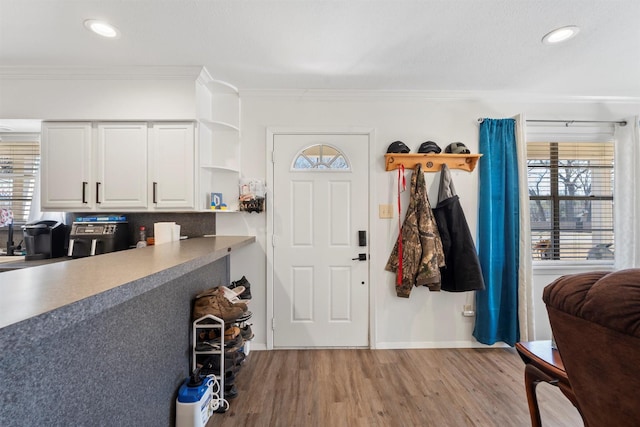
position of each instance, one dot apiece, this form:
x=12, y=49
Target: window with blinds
x=571, y=200
x=19, y=162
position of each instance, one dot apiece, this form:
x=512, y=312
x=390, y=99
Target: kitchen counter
x=61, y=293
x=9, y=263
x=106, y=337
x=13, y=258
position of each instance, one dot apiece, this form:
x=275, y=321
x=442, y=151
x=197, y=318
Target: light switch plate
x=385, y=211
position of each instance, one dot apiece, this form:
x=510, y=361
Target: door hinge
x=273, y=323
x=273, y=156
x=274, y=240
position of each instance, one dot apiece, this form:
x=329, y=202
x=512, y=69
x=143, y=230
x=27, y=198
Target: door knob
x=361, y=257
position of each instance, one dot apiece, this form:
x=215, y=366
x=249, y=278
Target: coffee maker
x=44, y=239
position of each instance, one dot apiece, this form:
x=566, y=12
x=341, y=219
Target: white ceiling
x=444, y=45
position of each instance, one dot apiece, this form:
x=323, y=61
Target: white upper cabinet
x=118, y=166
x=121, y=160
x=66, y=170
x=172, y=171
x=87, y=166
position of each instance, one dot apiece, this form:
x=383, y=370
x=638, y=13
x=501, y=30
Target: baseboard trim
x=435, y=344
x=258, y=346
x=400, y=345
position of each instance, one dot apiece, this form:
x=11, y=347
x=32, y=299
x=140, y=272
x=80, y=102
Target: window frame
x=557, y=134
x=314, y=166
x=25, y=199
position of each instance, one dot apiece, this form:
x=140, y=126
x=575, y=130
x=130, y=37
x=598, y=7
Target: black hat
x=398, y=147
x=429, y=147
x=457, y=148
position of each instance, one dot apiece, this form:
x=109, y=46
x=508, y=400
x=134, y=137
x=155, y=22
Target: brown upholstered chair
x=595, y=319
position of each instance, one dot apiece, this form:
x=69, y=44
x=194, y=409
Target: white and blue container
x=196, y=402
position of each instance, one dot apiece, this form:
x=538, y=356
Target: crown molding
x=436, y=95
x=205, y=79
x=201, y=74
x=100, y=73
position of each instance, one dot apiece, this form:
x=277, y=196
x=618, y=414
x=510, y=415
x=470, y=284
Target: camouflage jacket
x=422, y=253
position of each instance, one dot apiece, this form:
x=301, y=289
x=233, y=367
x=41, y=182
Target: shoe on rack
x=211, y=364
x=213, y=302
x=234, y=358
x=208, y=335
x=233, y=295
x=228, y=367
x=242, y=282
x=233, y=346
x=244, y=317
x=229, y=378
x=246, y=333
x=231, y=333
x=214, y=369
x=207, y=345
x=230, y=392
x=219, y=291
x=246, y=294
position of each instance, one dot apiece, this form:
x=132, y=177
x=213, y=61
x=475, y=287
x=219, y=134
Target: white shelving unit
x=205, y=324
x=218, y=113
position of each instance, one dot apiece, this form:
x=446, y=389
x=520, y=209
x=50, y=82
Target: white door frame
x=271, y=132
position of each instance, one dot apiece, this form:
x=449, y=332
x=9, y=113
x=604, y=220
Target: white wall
x=424, y=320
x=91, y=98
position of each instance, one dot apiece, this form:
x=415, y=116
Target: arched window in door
x=321, y=157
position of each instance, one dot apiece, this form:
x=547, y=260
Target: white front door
x=320, y=293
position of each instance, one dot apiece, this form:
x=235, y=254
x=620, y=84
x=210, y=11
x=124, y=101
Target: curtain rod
x=568, y=122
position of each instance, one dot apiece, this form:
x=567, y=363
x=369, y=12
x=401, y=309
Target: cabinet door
x=65, y=179
x=172, y=165
x=121, y=162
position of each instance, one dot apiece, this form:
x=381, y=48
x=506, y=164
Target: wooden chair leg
x=530, y=383
x=532, y=377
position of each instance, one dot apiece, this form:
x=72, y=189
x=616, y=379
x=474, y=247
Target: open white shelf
x=216, y=125
x=218, y=112
x=223, y=168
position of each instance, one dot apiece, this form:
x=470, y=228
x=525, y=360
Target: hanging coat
x=462, y=271
x=422, y=254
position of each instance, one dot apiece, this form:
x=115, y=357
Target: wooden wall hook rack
x=431, y=162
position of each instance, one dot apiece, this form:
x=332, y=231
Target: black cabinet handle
x=155, y=192
x=97, y=192
x=84, y=191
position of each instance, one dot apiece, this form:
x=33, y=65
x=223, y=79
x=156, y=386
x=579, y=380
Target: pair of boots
x=213, y=301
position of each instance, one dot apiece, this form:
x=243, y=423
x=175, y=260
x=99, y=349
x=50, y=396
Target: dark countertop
x=46, y=298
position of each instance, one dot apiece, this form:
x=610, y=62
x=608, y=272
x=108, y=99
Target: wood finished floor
x=441, y=387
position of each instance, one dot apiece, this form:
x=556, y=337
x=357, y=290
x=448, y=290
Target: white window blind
x=19, y=163
x=571, y=177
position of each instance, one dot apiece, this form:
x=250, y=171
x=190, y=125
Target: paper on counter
x=163, y=232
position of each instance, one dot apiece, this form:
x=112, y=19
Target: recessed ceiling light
x=102, y=28
x=561, y=34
